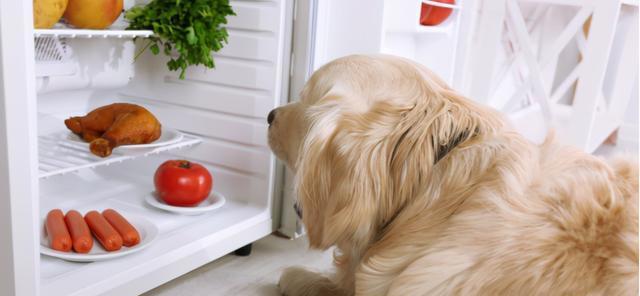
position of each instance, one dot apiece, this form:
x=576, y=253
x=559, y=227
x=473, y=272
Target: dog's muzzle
x=298, y=210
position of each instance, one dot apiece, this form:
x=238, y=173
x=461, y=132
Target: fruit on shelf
x=93, y=14
x=182, y=183
x=47, y=13
x=432, y=15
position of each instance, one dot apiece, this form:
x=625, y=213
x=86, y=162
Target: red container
x=431, y=15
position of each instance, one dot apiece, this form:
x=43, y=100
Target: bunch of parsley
x=193, y=28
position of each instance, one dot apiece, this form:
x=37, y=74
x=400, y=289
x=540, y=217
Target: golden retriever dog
x=424, y=192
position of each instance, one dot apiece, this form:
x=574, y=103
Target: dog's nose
x=271, y=116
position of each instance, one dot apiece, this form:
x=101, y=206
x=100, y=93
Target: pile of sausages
x=73, y=231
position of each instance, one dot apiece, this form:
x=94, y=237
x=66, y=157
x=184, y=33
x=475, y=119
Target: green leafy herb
x=194, y=29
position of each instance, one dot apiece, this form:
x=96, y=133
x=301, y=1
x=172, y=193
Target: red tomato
x=182, y=183
x=431, y=15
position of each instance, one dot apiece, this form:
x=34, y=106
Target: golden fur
x=496, y=215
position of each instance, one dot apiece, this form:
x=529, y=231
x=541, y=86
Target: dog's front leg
x=296, y=281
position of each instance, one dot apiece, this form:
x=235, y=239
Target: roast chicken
x=113, y=125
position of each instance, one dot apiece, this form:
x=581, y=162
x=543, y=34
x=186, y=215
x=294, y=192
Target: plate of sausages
x=95, y=236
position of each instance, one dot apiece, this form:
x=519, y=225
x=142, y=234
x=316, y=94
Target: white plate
x=214, y=201
x=147, y=230
x=168, y=136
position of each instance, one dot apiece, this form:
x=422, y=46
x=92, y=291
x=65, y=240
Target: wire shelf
x=57, y=155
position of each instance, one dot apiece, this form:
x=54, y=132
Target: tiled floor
x=258, y=274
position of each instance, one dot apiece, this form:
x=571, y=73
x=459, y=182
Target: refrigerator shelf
x=57, y=155
x=61, y=31
x=116, y=30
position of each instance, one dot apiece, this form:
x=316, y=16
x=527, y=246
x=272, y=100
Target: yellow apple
x=92, y=14
x=47, y=13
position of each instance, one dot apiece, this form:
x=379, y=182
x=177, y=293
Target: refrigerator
x=49, y=75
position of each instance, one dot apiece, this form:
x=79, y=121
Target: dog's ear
x=436, y=124
x=338, y=179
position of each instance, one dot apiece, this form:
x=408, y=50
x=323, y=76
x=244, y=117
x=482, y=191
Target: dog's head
x=362, y=140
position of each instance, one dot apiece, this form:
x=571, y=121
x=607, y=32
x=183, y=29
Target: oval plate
x=214, y=201
x=147, y=230
x=168, y=136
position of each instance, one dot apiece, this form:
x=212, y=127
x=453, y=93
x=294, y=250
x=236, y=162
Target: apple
x=47, y=13
x=92, y=14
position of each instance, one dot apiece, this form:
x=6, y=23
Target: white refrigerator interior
x=221, y=113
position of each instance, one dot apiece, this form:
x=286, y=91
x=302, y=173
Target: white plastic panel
x=255, y=16
x=97, y=63
x=261, y=47
x=207, y=96
x=238, y=73
x=238, y=158
x=236, y=129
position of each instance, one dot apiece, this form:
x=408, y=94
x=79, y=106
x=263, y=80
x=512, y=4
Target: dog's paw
x=297, y=281
x=291, y=280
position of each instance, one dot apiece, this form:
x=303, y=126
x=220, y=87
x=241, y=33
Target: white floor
x=256, y=274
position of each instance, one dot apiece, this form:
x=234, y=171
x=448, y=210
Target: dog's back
x=570, y=229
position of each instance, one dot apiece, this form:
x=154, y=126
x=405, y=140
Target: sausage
x=103, y=231
x=130, y=236
x=79, y=230
x=59, y=238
